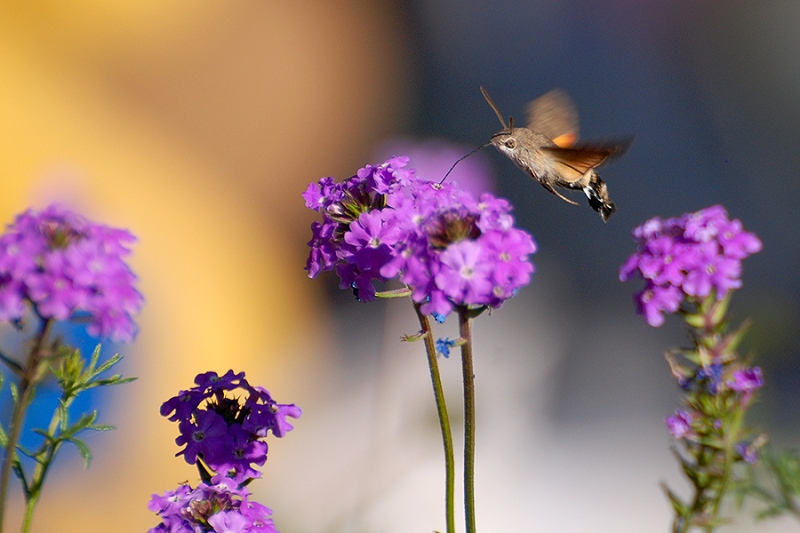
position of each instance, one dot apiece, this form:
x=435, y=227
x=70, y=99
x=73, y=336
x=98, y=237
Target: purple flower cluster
x=738, y=383
x=221, y=507
x=448, y=248
x=227, y=433
x=690, y=257
x=66, y=267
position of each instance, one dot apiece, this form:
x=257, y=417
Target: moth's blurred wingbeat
x=547, y=150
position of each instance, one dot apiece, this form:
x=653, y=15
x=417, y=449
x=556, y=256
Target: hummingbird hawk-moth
x=548, y=150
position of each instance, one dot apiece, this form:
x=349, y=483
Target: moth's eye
x=510, y=144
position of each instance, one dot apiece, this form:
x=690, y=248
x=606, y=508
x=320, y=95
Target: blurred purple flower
x=66, y=267
x=746, y=380
x=679, y=423
x=221, y=507
x=748, y=451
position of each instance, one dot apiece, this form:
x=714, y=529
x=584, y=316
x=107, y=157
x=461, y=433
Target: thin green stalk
x=30, y=377
x=465, y=330
x=43, y=465
x=444, y=420
x=28, y=516
x=17, y=417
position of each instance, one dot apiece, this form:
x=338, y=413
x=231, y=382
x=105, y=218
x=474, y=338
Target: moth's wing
x=554, y=115
x=576, y=161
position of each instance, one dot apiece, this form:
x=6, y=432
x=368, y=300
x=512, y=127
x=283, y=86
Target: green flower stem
x=44, y=459
x=444, y=420
x=465, y=330
x=31, y=375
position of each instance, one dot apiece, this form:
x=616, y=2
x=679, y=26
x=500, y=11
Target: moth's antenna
x=511, y=125
x=461, y=159
x=491, y=103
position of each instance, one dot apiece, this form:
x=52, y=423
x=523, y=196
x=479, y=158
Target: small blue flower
x=443, y=346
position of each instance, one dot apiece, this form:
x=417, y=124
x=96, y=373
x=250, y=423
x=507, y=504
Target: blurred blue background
x=198, y=125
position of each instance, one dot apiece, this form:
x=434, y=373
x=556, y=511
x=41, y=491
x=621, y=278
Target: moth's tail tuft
x=597, y=193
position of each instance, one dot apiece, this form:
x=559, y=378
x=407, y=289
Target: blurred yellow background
x=196, y=125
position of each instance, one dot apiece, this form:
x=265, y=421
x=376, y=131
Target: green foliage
x=775, y=482
x=74, y=375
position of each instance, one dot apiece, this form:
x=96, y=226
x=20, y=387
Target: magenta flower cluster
x=67, y=267
x=687, y=258
x=220, y=507
x=447, y=247
x=227, y=432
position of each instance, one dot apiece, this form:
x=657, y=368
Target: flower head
x=679, y=423
x=447, y=247
x=746, y=380
x=221, y=507
x=687, y=259
x=227, y=432
x=66, y=266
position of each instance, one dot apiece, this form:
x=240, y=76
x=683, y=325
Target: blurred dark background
x=711, y=92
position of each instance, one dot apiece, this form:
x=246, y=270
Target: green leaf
x=712, y=442
x=394, y=293
x=681, y=509
x=101, y=427
x=82, y=423
x=720, y=308
x=17, y=468
x=95, y=356
x=83, y=450
x=475, y=312
x=47, y=436
x=695, y=320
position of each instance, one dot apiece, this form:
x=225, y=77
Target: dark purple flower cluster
x=690, y=257
x=447, y=247
x=66, y=266
x=737, y=383
x=221, y=507
x=227, y=433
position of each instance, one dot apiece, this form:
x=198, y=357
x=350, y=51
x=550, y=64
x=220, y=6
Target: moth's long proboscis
x=461, y=159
